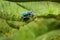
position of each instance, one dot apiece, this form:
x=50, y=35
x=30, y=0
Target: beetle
x=27, y=15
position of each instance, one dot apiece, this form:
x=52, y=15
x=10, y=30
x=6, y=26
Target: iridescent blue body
x=26, y=15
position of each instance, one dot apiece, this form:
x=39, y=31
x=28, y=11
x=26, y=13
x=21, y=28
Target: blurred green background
x=34, y=0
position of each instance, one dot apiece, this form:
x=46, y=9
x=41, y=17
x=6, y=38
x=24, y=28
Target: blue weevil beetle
x=26, y=15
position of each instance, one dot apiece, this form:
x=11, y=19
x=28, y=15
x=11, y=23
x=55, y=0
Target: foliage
x=44, y=26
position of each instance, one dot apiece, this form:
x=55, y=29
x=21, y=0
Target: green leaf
x=53, y=35
x=10, y=15
x=10, y=10
x=23, y=34
x=42, y=7
x=4, y=27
